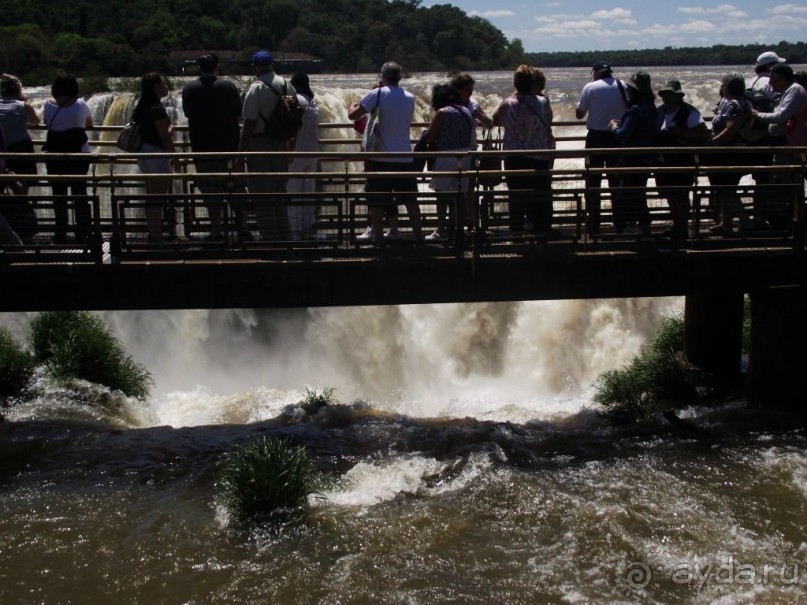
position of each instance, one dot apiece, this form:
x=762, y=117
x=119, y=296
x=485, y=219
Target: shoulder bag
x=490, y=162
x=371, y=140
x=130, y=139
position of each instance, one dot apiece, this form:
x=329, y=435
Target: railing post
x=778, y=355
x=713, y=334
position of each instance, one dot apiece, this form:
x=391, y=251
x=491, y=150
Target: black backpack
x=286, y=118
x=758, y=100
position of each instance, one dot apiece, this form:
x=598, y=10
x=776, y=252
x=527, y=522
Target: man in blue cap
x=259, y=103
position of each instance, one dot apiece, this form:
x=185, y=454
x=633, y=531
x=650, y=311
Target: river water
x=467, y=463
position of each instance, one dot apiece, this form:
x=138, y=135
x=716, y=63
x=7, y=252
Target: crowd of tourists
x=280, y=115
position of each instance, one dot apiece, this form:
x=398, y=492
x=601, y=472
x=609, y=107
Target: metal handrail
x=349, y=197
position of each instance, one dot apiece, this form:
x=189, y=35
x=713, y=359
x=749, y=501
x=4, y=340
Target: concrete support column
x=713, y=331
x=778, y=360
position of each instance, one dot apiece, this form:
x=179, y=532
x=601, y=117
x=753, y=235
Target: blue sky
x=549, y=25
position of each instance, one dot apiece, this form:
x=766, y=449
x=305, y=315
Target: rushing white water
x=502, y=361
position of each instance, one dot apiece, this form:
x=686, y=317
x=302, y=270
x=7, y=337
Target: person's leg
x=23, y=217
x=596, y=140
x=377, y=202
x=518, y=192
x=407, y=188
x=212, y=187
x=59, y=190
x=540, y=210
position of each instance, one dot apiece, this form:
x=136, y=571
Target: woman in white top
x=301, y=217
x=68, y=117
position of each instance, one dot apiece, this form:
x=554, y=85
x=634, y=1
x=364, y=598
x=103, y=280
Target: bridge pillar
x=778, y=359
x=713, y=334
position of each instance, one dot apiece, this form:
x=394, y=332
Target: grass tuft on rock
x=655, y=381
x=16, y=366
x=268, y=481
x=78, y=344
x=314, y=400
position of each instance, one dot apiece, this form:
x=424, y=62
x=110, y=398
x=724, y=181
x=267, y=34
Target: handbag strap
x=621, y=88
x=53, y=119
x=540, y=117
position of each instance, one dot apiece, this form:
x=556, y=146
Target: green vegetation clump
x=314, y=400
x=267, y=481
x=78, y=344
x=655, y=381
x=16, y=366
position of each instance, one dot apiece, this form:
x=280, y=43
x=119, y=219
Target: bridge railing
x=116, y=228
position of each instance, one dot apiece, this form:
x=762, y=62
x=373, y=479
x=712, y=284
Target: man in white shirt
x=602, y=100
x=791, y=98
x=396, y=110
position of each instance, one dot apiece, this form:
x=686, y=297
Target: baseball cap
x=769, y=57
x=262, y=57
x=601, y=66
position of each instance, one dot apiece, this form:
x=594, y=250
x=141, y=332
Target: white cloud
x=787, y=9
x=492, y=14
x=726, y=10
x=617, y=13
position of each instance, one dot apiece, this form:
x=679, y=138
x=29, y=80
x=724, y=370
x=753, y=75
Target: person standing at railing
x=761, y=95
x=16, y=115
x=156, y=130
x=259, y=103
x=396, y=110
x=68, y=118
x=636, y=128
x=791, y=98
x=527, y=122
x=464, y=85
x=602, y=100
x=213, y=108
x=733, y=111
x=301, y=217
x=7, y=235
x=679, y=125
x=452, y=128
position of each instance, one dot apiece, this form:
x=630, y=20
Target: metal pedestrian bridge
x=112, y=263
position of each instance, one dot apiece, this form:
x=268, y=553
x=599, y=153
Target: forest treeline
x=124, y=38
x=128, y=38
x=720, y=54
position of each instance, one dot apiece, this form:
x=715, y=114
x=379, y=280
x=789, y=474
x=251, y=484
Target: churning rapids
x=467, y=462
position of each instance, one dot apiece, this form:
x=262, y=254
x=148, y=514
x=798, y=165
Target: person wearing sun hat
x=636, y=128
x=602, y=100
x=761, y=96
x=679, y=124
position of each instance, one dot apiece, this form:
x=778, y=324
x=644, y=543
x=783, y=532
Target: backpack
x=286, y=118
x=758, y=100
